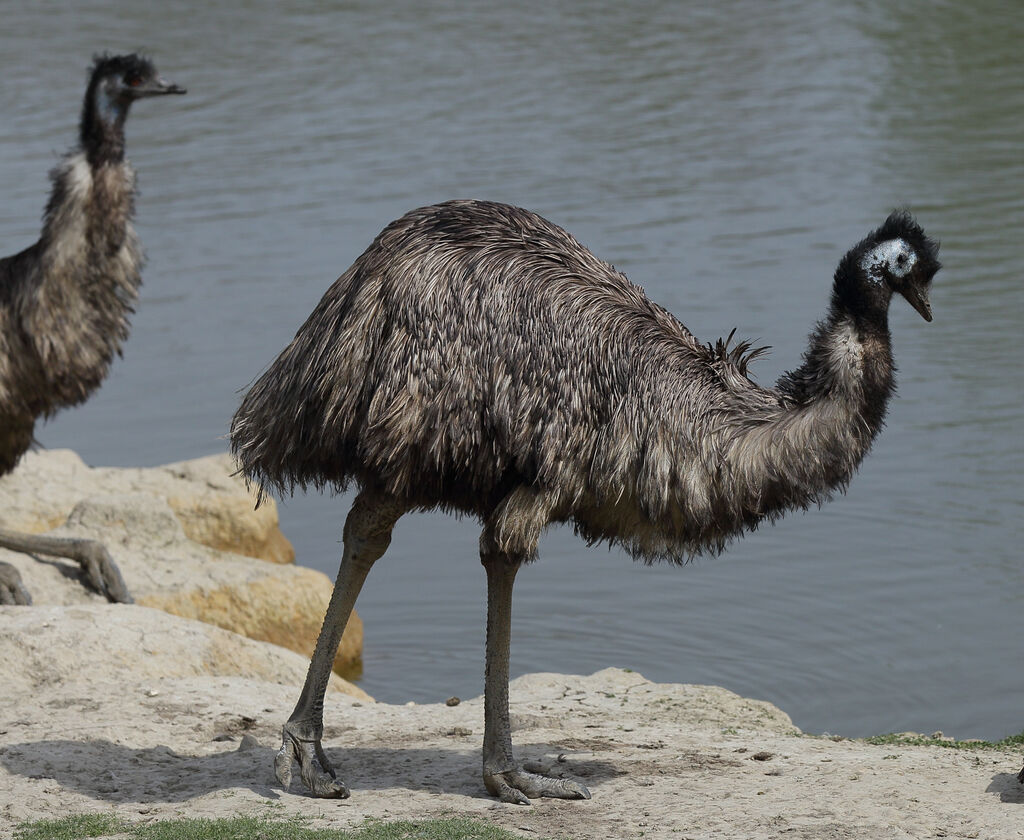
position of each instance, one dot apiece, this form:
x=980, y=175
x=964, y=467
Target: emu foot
x=101, y=571
x=12, y=590
x=518, y=785
x=297, y=747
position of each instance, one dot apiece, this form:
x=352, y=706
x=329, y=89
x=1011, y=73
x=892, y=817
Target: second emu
x=476, y=358
x=65, y=300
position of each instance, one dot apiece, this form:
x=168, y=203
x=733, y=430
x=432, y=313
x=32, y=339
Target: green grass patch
x=252, y=828
x=894, y=739
x=69, y=828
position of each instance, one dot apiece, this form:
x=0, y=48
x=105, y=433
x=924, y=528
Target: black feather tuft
x=739, y=356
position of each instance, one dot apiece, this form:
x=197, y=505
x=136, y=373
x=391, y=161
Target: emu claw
x=517, y=786
x=12, y=590
x=102, y=573
x=302, y=750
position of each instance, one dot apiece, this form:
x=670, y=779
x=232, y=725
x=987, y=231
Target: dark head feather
x=104, y=64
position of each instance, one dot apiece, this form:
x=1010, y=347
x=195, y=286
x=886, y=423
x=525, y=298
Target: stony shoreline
x=662, y=760
x=152, y=713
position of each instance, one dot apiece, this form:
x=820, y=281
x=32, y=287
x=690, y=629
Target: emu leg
x=367, y=535
x=101, y=572
x=503, y=776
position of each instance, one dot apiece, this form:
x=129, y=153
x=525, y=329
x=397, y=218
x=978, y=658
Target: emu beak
x=158, y=87
x=918, y=298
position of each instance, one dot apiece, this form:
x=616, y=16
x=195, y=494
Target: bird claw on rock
x=12, y=590
x=102, y=572
x=302, y=750
x=518, y=785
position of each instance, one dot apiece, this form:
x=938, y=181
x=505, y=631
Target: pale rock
x=214, y=505
x=167, y=528
x=136, y=647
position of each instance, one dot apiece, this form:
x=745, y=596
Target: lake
x=724, y=158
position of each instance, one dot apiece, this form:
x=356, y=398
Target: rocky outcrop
x=188, y=542
x=213, y=505
x=43, y=647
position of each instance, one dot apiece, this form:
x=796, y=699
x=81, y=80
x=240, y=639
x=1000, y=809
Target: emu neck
x=101, y=130
x=848, y=364
x=830, y=410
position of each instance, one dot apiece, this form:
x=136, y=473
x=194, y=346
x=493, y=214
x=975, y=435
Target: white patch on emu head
x=893, y=255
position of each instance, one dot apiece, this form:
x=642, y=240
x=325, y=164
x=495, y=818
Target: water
x=724, y=159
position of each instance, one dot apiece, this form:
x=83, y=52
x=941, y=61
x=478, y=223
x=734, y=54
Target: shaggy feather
x=476, y=350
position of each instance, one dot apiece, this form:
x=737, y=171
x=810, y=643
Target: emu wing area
x=474, y=347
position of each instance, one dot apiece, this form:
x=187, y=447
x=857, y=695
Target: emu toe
x=101, y=572
x=518, y=785
x=307, y=752
x=12, y=590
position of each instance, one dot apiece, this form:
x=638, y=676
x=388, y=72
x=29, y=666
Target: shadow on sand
x=120, y=774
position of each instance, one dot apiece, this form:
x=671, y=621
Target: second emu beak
x=159, y=87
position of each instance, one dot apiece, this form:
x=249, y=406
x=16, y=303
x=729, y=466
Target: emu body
x=65, y=300
x=478, y=359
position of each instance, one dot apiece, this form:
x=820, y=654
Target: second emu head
x=115, y=82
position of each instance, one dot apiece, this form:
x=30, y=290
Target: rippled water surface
x=724, y=159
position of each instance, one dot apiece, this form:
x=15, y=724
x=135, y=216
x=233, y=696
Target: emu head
x=116, y=81
x=897, y=257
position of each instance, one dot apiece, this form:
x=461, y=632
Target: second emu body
x=478, y=359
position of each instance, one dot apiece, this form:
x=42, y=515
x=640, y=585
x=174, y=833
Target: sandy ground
x=662, y=761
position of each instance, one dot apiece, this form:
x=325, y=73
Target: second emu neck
x=101, y=131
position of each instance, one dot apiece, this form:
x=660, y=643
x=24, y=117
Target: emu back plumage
x=475, y=348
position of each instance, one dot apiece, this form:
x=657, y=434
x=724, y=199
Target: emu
x=65, y=301
x=478, y=359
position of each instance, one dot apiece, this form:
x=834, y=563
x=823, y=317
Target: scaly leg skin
x=503, y=776
x=300, y=748
x=517, y=786
x=101, y=572
x=367, y=535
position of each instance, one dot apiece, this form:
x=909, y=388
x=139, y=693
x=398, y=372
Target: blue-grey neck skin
x=101, y=132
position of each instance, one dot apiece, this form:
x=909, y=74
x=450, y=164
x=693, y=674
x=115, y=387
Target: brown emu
x=477, y=358
x=65, y=301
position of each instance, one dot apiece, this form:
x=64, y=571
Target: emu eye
x=134, y=80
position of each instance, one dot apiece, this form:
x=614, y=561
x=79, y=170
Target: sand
x=662, y=760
